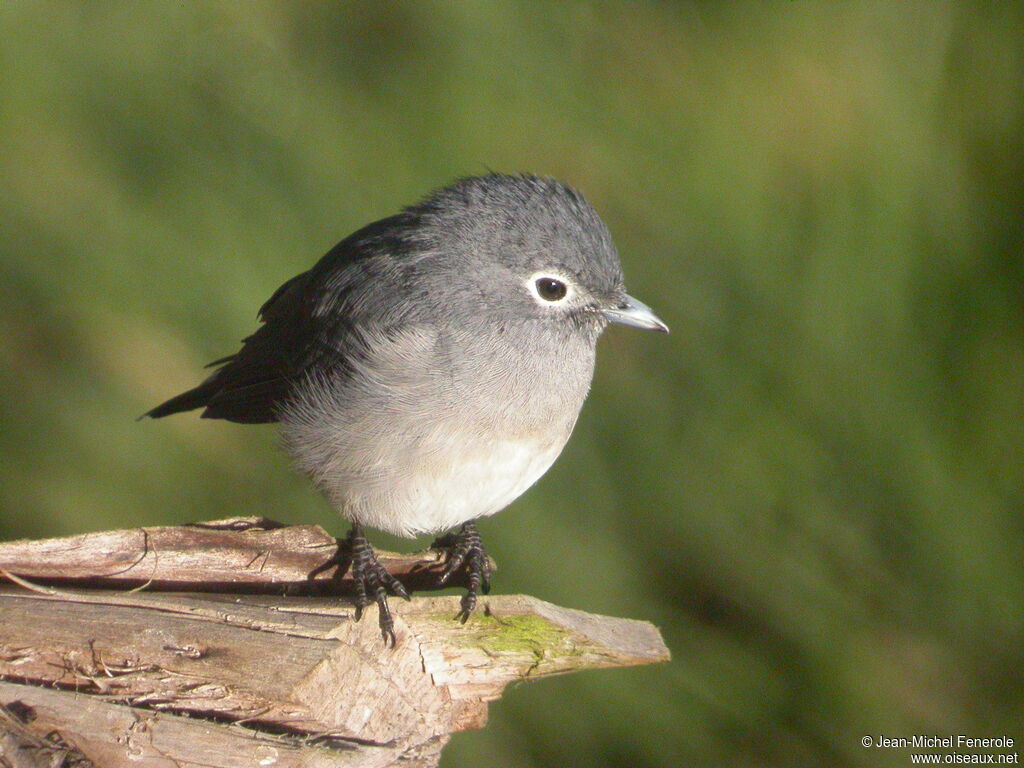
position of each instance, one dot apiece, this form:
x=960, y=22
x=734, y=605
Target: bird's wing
x=305, y=325
x=249, y=386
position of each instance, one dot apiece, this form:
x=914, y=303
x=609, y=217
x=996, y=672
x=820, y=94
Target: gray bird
x=430, y=368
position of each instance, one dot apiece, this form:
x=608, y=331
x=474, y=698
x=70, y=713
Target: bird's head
x=524, y=248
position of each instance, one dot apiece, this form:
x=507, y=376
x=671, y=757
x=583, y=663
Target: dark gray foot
x=466, y=551
x=372, y=581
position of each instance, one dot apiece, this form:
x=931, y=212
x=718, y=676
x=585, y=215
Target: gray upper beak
x=635, y=313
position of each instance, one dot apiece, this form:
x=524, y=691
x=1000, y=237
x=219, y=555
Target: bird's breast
x=425, y=435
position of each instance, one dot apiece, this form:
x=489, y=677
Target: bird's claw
x=373, y=583
x=466, y=551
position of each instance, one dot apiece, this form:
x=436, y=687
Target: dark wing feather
x=250, y=384
x=304, y=327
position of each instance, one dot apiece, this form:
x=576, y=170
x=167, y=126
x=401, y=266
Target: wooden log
x=239, y=554
x=213, y=676
x=88, y=732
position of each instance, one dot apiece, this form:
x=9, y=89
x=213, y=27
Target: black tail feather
x=186, y=401
x=252, y=403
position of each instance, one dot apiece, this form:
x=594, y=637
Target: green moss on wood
x=517, y=634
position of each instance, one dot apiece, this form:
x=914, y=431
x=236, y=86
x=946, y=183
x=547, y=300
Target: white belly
x=442, y=490
x=409, y=444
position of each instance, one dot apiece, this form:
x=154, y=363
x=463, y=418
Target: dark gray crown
x=523, y=222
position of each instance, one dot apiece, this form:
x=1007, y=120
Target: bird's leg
x=372, y=581
x=465, y=550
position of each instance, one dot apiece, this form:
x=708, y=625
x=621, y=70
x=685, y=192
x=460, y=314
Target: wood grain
x=201, y=678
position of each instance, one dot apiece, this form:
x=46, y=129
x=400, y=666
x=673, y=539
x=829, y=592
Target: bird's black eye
x=550, y=289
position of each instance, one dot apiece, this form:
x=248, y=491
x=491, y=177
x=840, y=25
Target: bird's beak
x=629, y=311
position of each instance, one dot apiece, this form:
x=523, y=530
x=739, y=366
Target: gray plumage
x=422, y=374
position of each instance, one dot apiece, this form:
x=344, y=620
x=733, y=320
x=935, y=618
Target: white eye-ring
x=548, y=289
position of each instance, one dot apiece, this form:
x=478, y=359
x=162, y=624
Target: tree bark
x=215, y=677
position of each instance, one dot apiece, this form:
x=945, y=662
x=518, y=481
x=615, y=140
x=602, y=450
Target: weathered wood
x=240, y=554
x=206, y=678
x=108, y=735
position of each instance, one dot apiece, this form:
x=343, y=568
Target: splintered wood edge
x=556, y=639
x=241, y=554
x=118, y=736
x=503, y=625
x=510, y=637
x=447, y=670
x=517, y=635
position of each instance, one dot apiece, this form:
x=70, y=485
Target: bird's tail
x=199, y=397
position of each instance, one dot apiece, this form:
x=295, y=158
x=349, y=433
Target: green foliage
x=813, y=485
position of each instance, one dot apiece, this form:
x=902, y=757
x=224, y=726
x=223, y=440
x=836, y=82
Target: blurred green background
x=814, y=486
